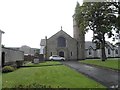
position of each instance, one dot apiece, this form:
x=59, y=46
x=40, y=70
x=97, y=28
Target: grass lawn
x=48, y=63
x=0, y=80
x=109, y=63
x=54, y=76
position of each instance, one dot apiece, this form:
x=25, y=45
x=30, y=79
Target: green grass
x=0, y=80
x=48, y=63
x=109, y=63
x=54, y=76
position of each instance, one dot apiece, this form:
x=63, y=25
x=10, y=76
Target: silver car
x=56, y=57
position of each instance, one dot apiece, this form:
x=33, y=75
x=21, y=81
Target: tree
x=98, y=17
x=117, y=23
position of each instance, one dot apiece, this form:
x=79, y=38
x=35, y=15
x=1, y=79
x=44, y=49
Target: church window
x=61, y=42
x=90, y=51
x=116, y=51
x=71, y=53
x=108, y=51
x=51, y=53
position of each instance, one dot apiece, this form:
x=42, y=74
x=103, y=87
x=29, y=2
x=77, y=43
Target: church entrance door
x=61, y=54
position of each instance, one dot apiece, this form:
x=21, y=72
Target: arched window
x=61, y=53
x=61, y=42
x=109, y=51
x=90, y=51
x=116, y=51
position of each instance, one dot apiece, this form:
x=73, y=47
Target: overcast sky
x=26, y=22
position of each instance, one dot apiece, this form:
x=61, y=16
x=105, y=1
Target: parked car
x=56, y=57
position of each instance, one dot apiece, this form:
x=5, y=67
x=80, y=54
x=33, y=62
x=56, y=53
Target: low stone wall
x=28, y=58
x=31, y=58
x=12, y=56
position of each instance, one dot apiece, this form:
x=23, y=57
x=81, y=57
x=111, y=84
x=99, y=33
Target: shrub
x=6, y=69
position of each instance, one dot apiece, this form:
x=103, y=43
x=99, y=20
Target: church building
x=74, y=48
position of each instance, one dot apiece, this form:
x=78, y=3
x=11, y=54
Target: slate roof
x=61, y=31
x=90, y=44
x=109, y=44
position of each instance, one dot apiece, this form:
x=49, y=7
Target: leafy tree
x=117, y=23
x=98, y=17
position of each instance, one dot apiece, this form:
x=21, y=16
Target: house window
x=61, y=42
x=108, y=51
x=116, y=51
x=90, y=51
x=51, y=53
x=71, y=53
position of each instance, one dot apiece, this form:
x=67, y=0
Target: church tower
x=80, y=37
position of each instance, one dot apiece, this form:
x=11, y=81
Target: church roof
x=109, y=44
x=89, y=44
x=61, y=31
x=43, y=41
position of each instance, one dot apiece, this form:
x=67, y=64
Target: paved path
x=106, y=77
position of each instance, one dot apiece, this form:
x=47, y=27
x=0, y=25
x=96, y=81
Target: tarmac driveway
x=106, y=77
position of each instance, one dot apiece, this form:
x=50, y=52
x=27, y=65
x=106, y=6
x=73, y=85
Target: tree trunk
x=103, y=49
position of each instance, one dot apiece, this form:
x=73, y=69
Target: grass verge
x=109, y=63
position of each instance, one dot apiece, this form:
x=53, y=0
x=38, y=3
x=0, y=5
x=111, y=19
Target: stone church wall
x=70, y=51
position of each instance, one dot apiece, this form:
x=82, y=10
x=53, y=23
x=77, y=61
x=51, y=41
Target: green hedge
x=6, y=69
